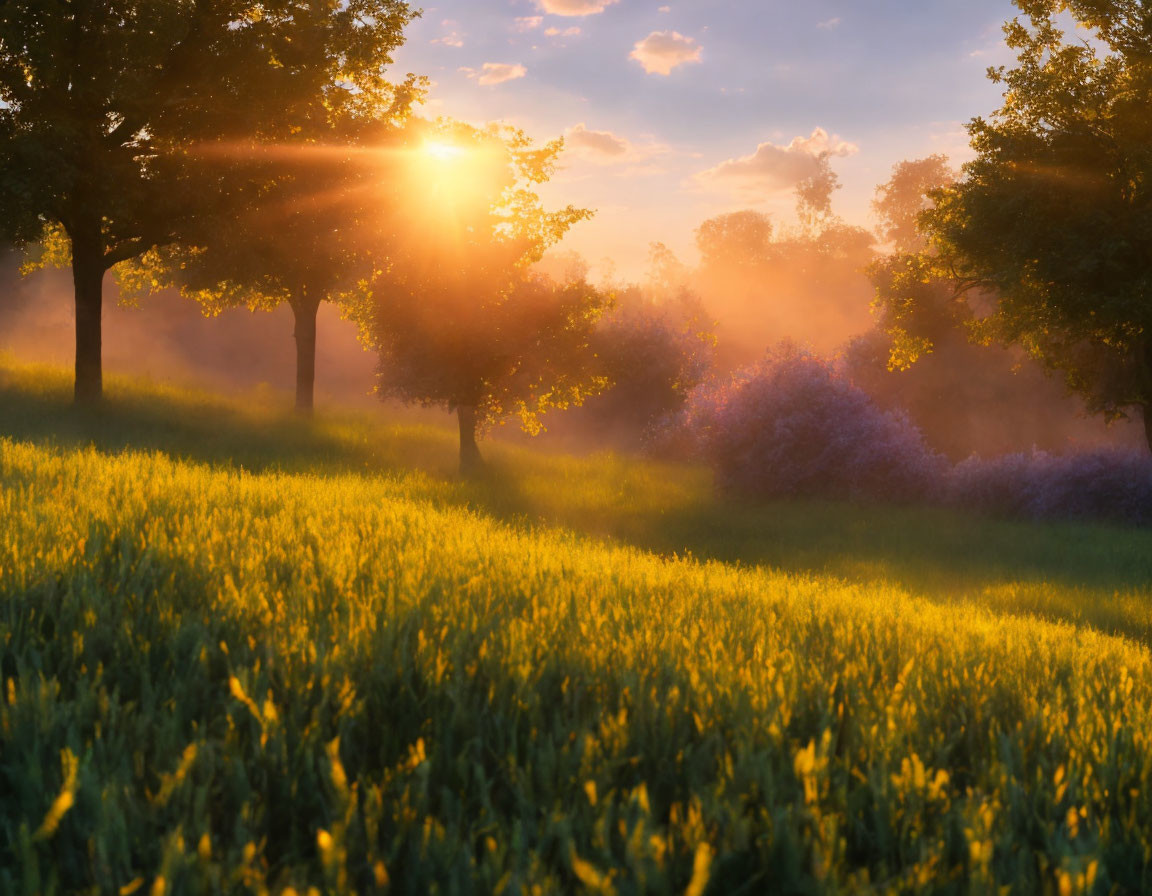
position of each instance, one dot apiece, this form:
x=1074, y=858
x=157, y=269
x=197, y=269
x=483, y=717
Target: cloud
x=597, y=145
x=662, y=51
x=563, y=32
x=773, y=169
x=451, y=39
x=829, y=24
x=574, y=7
x=528, y=23
x=607, y=148
x=496, y=73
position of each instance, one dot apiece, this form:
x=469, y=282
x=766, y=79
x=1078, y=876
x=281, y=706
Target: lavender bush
x=1100, y=485
x=793, y=425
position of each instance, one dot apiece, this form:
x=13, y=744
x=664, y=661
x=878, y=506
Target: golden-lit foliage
x=269, y=681
x=457, y=317
x=453, y=186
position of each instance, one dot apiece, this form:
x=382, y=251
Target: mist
x=168, y=338
x=972, y=399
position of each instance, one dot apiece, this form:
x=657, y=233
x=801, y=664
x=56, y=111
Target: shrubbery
x=1100, y=485
x=653, y=354
x=794, y=425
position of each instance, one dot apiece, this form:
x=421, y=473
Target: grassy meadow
x=241, y=653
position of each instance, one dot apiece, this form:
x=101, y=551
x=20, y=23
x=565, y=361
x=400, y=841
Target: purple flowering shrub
x=793, y=426
x=1111, y=485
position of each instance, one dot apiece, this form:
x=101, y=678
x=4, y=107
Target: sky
x=677, y=111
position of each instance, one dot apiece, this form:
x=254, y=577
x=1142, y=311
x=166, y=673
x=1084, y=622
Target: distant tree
x=919, y=305
x=905, y=196
x=459, y=318
x=652, y=354
x=562, y=266
x=668, y=276
x=737, y=240
x=806, y=284
x=104, y=106
x=1055, y=212
x=814, y=198
x=315, y=233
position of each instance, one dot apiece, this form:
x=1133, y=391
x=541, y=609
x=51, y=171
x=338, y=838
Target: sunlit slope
x=243, y=680
x=1089, y=574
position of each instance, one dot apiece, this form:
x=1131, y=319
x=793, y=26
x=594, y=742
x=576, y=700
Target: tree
x=737, y=240
x=1055, y=212
x=919, y=304
x=804, y=283
x=905, y=196
x=652, y=354
x=312, y=235
x=103, y=106
x=459, y=319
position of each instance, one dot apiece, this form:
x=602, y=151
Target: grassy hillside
x=245, y=654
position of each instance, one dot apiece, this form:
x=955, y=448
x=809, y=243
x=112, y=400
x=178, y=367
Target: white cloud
x=662, y=51
x=496, y=72
x=565, y=32
x=528, y=23
x=829, y=24
x=452, y=39
x=772, y=168
x=574, y=7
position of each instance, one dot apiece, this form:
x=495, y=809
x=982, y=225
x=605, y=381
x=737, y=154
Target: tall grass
x=242, y=654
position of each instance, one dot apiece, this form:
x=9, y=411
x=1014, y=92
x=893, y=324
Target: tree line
x=261, y=154
x=264, y=154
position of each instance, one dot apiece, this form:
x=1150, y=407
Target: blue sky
x=656, y=97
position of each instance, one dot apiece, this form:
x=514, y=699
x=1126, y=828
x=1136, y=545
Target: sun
x=442, y=151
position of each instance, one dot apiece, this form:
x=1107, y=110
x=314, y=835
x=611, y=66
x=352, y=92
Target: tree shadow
x=263, y=436
x=1083, y=573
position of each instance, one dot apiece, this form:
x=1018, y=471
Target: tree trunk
x=304, y=312
x=1147, y=382
x=471, y=463
x=88, y=281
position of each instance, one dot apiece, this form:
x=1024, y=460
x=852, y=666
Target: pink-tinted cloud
x=773, y=169
x=574, y=7
x=496, y=73
x=662, y=51
x=603, y=146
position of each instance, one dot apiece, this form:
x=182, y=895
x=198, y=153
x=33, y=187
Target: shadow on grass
x=261, y=436
x=668, y=509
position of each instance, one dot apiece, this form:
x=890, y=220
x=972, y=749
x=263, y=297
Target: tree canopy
x=106, y=109
x=317, y=231
x=1055, y=212
x=459, y=319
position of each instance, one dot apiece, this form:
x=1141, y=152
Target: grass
x=241, y=653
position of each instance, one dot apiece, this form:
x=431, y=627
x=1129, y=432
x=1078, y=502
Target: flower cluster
x=793, y=425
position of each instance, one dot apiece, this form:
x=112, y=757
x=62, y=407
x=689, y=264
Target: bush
x=653, y=354
x=792, y=426
x=1111, y=485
